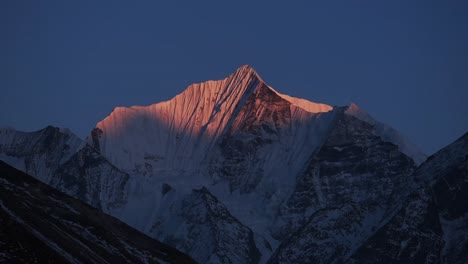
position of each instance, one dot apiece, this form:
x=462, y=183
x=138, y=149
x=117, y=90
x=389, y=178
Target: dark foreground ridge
x=39, y=224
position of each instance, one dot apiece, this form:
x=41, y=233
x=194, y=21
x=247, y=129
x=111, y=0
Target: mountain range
x=233, y=171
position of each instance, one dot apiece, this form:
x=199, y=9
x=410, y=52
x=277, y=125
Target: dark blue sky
x=69, y=63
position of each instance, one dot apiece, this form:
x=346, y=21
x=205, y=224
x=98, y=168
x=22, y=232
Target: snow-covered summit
x=183, y=128
x=209, y=103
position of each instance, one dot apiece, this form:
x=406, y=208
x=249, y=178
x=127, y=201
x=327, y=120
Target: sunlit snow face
x=202, y=108
x=187, y=126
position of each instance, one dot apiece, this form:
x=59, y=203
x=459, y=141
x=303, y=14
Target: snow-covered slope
x=232, y=171
x=38, y=153
x=388, y=134
x=88, y=176
x=59, y=158
x=201, y=226
x=174, y=134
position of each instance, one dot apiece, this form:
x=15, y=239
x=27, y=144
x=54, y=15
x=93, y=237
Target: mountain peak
x=354, y=110
x=239, y=83
x=388, y=133
x=246, y=67
x=246, y=70
x=193, y=120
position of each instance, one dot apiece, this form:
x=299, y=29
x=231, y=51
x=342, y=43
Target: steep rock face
x=354, y=171
x=353, y=165
x=432, y=225
x=451, y=195
x=59, y=158
x=413, y=236
x=270, y=137
x=259, y=123
x=327, y=237
x=203, y=228
x=38, y=153
x=388, y=134
x=40, y=224
x=91, y=178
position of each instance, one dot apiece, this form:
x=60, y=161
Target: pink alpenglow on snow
x=176, y=134
x=188, y=123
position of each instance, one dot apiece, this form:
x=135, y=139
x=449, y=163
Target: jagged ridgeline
x=233, y=171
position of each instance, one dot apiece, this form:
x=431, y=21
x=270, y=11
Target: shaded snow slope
x=38, y=153
x=348, y=188
x=388, y=134
x=59, y=158
x=432, y=224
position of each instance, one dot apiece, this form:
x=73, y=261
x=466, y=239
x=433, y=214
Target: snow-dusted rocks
x=38, y=153
x=432, y=224
x=59, y=158
x=345, y=192
x=91, y=178
x=414, y=235
x=271, y=138
x=204, y=229
x=388, y=134
x=233, y=171
x=328, y=236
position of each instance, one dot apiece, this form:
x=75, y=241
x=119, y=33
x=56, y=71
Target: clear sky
x=69, y=63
